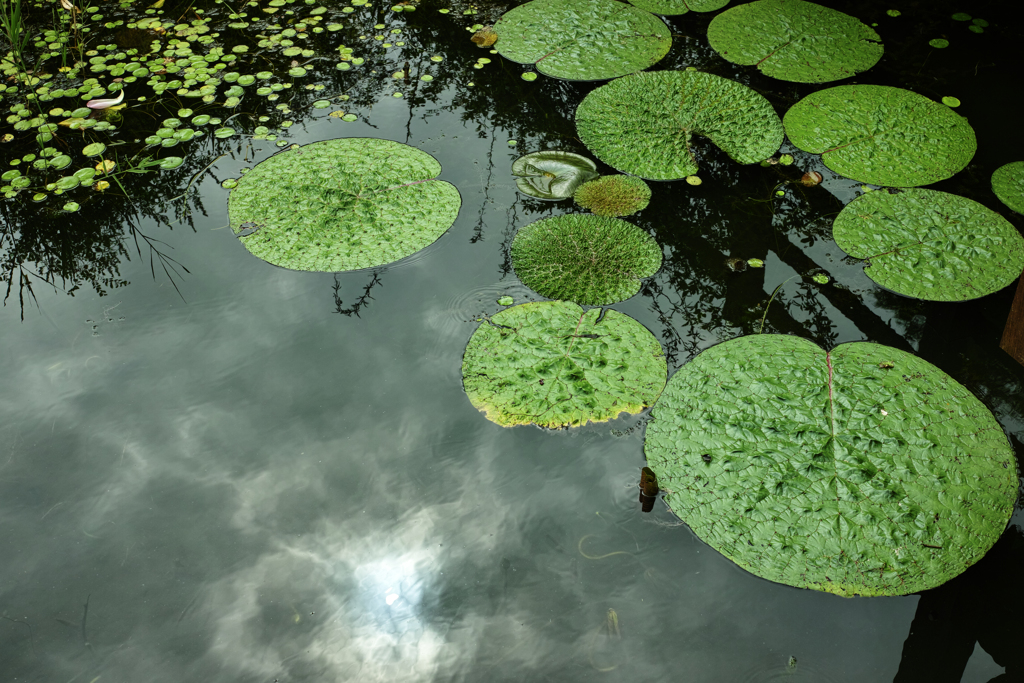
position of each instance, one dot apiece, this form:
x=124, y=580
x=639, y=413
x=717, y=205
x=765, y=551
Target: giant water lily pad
x=644, y=124
x=679, y=6
x=931, y=245
x=342, y=205
x=552, y=174
x=551, y=364
x=587, y=259
x=1008, y=184
x=882, y=135
x=582, y=40
x=794, y=40
x=862, y=471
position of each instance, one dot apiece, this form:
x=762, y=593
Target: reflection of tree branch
x=363, y=299
x=168, y=264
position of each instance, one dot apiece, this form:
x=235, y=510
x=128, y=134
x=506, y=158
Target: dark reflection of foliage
x=361, y=301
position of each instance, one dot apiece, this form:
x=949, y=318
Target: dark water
x=213, y=476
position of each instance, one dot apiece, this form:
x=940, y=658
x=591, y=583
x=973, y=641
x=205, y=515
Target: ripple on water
x=459, y=315
x=788, y=670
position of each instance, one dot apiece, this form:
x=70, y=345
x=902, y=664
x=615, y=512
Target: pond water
x=214, y=469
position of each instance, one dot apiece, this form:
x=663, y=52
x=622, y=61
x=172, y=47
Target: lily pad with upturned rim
x=672, y=7
x=552, y=174
x=644, y=124
x=586, y=259
x=1008, y=185
x=342, y=204
x=882, y=135
x=931, y=245
x=551, y=364
x=794, y=40
x=861, y=471
x=582, y=40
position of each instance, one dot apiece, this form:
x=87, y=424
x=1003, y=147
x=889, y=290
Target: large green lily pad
x=931, y=245
x=644, y=124
x=882, y=135
x=342, y=205
x=1008, y=184
x=552, y=174
x=551, y=364
x=862, y=471
x=582, y=40
x=679, y=6
x=794, y=40
x=587, y=259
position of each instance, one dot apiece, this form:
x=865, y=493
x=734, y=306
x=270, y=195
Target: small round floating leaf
x=342, y=205
x=693, y=180
x=68, y=182
x=931, y=245
x=980, y=22
x=247, y=79
x=893, y=12
x=72, y=207
x=938, y=43
x=200, y=120
x=349, y=117
x=229, y=184
x=582, y=40
x=975, y=28
x=506, y=301
x=962, y=16
x=786, y=159
x=321, y=104
x=793, y=40
x=614, y=195
x=552, y=174
x=586, y=259
x=950, y=101
x=1008, y=185
x=529, y=76
x=167, y=163
x=224, y=132
x=296, y=72
x=60, y=162
x=755, y=263
x=820, y=278
x=551, y=364
x=643, y=124
x=882, y=135
x=861, y=471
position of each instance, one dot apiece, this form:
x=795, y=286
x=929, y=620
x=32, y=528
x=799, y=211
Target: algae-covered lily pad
x=590, y=260
x=1008, y=184
x=644, y=124
x=614, y=195
x=882, y=135
x=861, y=471
x=552, y=174
x=551, y=364
x=931, y=245
x=582, y=40
x=679, y=6
x=794, y=40
x=342, y=205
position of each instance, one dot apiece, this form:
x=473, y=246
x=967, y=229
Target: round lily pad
x=882, y=135
x=793, y=40
x=342, y=205
x=860, y=471
x=1008, y=184
x=931, y=245
x=552, y=174
x=587, y=259
x=551, y=364
x=644, y=124
x=614, y=195
x=582, y=40
x=679, y=6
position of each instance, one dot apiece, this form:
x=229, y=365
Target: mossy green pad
x=861, y=471
x=614, y=195
x=551, y=364
x=1008, y=184
x=342, y=205
x=668, y=7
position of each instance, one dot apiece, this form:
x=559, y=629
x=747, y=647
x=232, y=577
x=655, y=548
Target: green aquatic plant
x=582, y=40
x=882, y=135
x=614, y=195
x=644, y=124
x=931, y=245
x=1008, y=185
x=794, y=40
x=551, y=364
x=552, y=174
x=342, y=205
x=586, y=259
x=669, y=7
x=859, y=471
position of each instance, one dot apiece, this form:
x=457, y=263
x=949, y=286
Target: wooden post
x=1013, y=334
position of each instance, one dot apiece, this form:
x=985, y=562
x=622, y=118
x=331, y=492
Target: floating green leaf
x=1008, y=185
x=931, y=245
x=644, y=124
x=342, y=205
x=882, y=135
x=582, y=40
x=679, y=6
x=551, y=364
x=939, y=43
x=94, y=149
x=552, y=174
x=862, y=471
x=613, y=195
x=794, y=40
x=586, y=259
